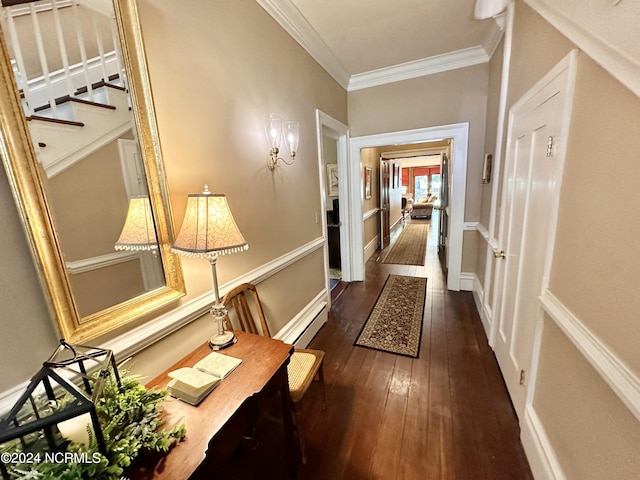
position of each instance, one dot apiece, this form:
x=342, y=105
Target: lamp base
x=220, y=341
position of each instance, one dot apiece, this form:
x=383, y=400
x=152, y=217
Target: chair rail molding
x=143, y=336
x=369, y=213
x=614, y=371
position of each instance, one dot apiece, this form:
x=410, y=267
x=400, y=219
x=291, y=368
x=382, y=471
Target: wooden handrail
x=54, y=120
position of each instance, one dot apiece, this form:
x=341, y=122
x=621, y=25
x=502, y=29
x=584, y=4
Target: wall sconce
x=275, y=129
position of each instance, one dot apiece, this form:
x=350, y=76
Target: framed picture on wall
x=332, y=179
x=367, y=183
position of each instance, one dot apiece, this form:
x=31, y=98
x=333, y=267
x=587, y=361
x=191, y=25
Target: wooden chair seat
x=305, y=365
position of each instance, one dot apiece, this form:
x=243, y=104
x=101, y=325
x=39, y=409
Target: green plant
x=130, y=418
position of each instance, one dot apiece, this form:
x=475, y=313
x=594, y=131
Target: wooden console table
x=218, y=424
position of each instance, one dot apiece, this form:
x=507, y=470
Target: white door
x=533, y=175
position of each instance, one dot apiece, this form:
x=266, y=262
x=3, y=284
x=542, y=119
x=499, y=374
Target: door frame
x=327, y=125
x=459, y=132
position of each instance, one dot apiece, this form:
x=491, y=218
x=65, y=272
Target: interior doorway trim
x=459, y=133
x=329, y=126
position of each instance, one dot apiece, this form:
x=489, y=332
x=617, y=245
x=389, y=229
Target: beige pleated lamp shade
x=208, y=227
x=139, y=232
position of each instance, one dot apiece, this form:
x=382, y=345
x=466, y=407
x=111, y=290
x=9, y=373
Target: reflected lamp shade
x=139, y=232
x=208, y=228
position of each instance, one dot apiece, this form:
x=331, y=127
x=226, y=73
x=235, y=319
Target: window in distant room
x=435, y=184
x=421, y=187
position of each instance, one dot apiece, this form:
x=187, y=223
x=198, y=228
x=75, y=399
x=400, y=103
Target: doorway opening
x=455, y=201
x=333, y=140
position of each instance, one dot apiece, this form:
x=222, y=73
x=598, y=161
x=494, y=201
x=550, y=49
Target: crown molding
x=496, y=32
x=426, y=66
x=295, y=24
x=619, y=64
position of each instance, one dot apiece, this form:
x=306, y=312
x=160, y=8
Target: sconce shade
x=273, y=129
x=208, y=227
x=292, y=136
x=139, y=232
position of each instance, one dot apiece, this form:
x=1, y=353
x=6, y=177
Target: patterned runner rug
x=395, y=323
x=410, y=247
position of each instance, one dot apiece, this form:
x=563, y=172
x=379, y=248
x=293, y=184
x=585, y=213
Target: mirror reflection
x=68, y=68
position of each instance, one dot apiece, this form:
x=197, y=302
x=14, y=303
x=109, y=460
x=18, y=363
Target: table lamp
x=209, y=230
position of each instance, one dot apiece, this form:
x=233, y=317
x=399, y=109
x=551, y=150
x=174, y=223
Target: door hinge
x=522, y=377
x=550, y=147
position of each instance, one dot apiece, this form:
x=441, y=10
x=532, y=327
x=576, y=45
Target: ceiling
x=363, y=43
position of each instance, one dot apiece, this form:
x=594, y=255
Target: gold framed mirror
x=57, y=231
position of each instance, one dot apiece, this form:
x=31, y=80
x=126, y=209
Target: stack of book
x=193, y=384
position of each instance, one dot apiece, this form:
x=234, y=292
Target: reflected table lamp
x=209, y=230
x=139, y=231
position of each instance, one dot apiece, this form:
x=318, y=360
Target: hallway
x=444, y=415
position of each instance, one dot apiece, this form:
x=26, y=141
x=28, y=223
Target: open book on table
x=192, y=384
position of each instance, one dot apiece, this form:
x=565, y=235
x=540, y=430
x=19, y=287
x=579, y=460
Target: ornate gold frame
x=18, y=157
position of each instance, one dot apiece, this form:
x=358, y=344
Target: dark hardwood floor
x=444, y=415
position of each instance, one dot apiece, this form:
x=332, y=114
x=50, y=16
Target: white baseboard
x=541, y=455
x=371, y=248
x=486, y=315
x=467, y=281
x=304, y=326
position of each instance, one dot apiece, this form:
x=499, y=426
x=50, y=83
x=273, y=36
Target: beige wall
x=89, y=204
x=212, y=133
x=440, y=99
x=593, y=434
x=596, y=259
x=28, y=334
x=594, y=270
x=214, y=74
x=491, y=132
x=329, y=156
x=371, y=158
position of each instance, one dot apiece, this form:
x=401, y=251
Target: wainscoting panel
x=622, y=380
x=540, y=453
x=299, y=330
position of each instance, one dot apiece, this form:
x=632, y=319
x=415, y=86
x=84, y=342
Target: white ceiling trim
x=419, y=68
x=295, y=24
x=495, y=34
x=623, y=67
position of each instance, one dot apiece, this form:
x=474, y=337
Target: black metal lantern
x=67, y=386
